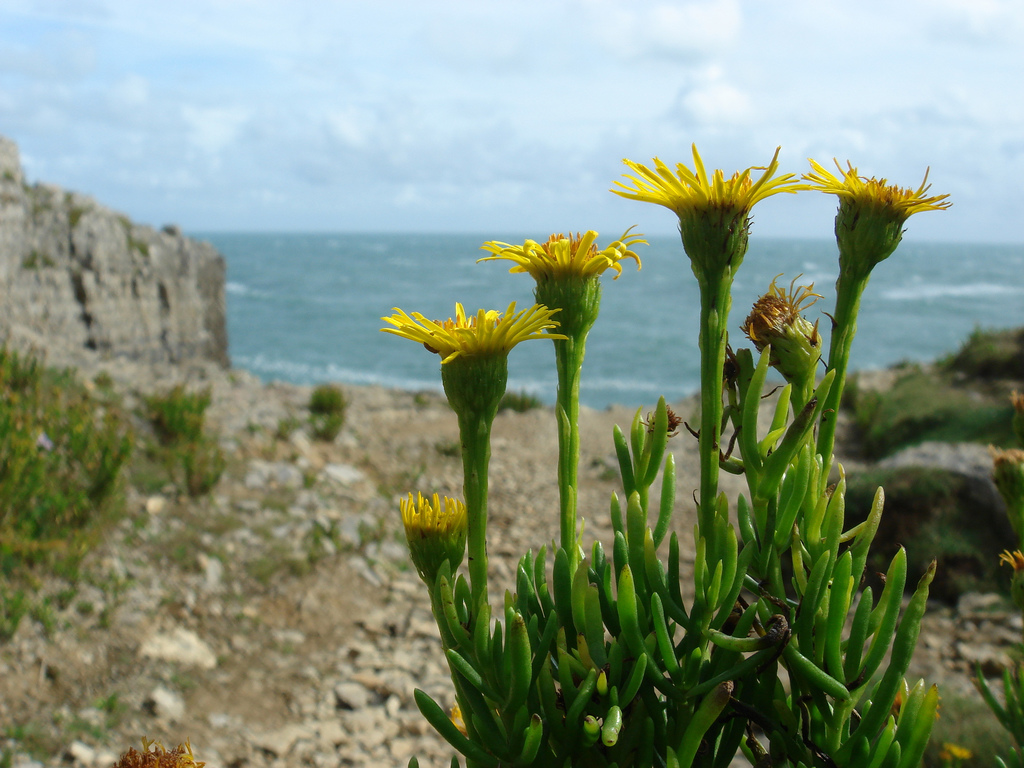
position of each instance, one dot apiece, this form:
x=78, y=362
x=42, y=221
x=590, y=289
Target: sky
x=509, y=117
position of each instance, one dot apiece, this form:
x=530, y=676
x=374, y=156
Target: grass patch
x=520, y=402
x=922, y=406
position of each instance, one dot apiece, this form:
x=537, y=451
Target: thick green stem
x=714, y=315
x=475, y=431
x=569, y=361
x=844, y=327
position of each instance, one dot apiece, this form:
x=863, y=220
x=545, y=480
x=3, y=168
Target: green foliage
x=327, y=406
x=13, y=606
x=933, y=514
x=989, y=354
x=61, y=455
x=178, y=415
x=922, y=406
x=520, y=402
x=37, y=260
x=178, y=419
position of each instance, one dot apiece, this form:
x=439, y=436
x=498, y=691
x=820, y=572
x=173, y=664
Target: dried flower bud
x=153, y=755
x=776, y=320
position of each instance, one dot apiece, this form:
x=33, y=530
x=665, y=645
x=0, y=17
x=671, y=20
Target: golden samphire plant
x=597, y=659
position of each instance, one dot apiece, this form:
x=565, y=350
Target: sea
x=307, y=308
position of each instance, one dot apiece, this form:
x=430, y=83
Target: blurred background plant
x=183, y=445
x=327, y=406
x=61, y=454
x=1008, y=473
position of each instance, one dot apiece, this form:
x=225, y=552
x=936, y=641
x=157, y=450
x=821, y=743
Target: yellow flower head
x=872, y=212
x=714, y=213
x=875, y=193
x=486, y=333
x=561, y=256
x=153, y=755
x=436, y=531
x=688, y=190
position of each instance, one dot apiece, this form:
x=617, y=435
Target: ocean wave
x=970, y=290
x=241, y=289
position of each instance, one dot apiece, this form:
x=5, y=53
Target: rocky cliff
x=77, y=276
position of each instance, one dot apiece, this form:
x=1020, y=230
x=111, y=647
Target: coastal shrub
x=178, y=415
x=989, y=354
x=178, y=418
x=924, y=405
x=520, y=402
x=935, y=515
x=327, y=406
x=61, y=455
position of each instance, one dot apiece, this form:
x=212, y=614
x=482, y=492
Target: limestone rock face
x=75, y=276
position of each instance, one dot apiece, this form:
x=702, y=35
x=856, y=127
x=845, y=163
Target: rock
x=182, y=646
x=74, y=273
x=165, y=704
x=344, y=474
x=81, y=753
x=266, y=473
x=155, y=505
x=351, y=695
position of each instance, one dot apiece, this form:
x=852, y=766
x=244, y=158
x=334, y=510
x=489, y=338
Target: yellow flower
x=561, y=256
x=435, y=531
x=875, y=193
x=486, y=333
x=954, y=753
x=872, y=212
x=455, y=715
x=691, y=190
x=714, y=213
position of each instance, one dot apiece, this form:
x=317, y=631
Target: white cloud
x=211, y=129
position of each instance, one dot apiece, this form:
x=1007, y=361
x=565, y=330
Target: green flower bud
x=436, y=532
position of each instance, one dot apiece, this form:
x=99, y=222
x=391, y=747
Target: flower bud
x=436, y=532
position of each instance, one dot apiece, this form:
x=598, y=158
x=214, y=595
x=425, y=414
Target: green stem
x=475, y=432
x=714, y=314
x=569, y=361
x=844, y=328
